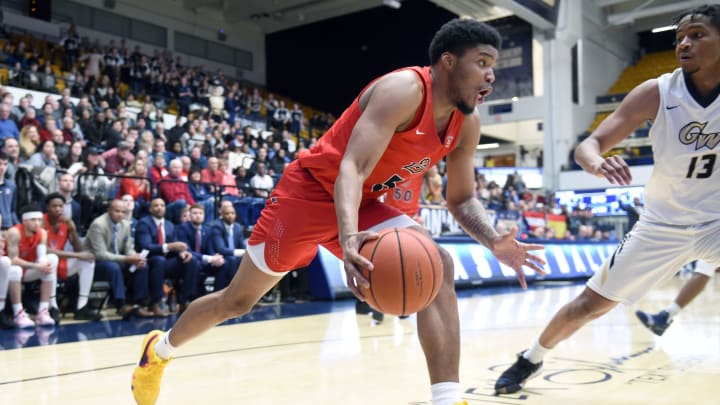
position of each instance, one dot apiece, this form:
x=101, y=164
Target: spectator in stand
x=158, y=170
x=261, y=183
x=8, y=196
x=271, y=104
x=27, y=249
x=633, y=212
x=61, y=230
x=49, y=83
x=281, y=117
x=118, y=160
x=112, y=134
x=212, y=175
x=139, y=187
x=8, y=127
x=433, y=184
x=71, y=208
x=71, y=47
x=74, y=160
x=46, y=157
x=30, y=118
x=16, y=74
x=11, y=149
x=109, y=239
x=167, y=257
x=197, y=158
x=296, y=119
x=227, y=237
x=197, y=236
x=175, y=192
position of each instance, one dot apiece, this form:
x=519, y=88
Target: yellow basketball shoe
x=148, y=373
x=461, y=403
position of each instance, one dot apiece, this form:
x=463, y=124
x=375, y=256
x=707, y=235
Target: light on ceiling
x=392, y=3
x=488, y=146
x=661, y=29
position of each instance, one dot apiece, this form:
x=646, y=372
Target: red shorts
x=300, y=215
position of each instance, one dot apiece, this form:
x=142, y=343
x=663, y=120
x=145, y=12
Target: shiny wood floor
x=341, y=358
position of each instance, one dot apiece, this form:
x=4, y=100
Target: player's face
x=472, y=77
x=55, y=208
x=32, y=225
x=697, y=44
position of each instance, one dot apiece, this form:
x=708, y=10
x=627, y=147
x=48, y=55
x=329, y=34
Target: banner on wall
x=514, y=68
x=475, y=265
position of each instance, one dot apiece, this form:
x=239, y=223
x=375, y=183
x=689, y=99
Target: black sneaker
x=657, y=323
x=6, y=321
x=87, y=314
x=362, y=307
x=377, y=316
x=514, y=378
x=55, y=315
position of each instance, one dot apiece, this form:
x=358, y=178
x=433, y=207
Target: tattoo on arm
x=473, y=218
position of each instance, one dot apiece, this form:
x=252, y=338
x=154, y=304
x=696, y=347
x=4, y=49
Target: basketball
x=407, y=271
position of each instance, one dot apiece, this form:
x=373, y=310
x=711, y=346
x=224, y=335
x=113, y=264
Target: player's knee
x=589, y=306
x=15, y=274
x=232, y=307
x=448, y=266
x=5, y=263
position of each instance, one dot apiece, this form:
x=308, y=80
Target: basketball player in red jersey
x=27, y=249
x=400, y=124
x=61, y=229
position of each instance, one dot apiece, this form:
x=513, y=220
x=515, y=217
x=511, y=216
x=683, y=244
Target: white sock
x=536, y=353
x=163, y=348
x=43, y=305
x=82, y=301
x=445, y=393
x=673, y=309
x=53, y=302
x=17, y=308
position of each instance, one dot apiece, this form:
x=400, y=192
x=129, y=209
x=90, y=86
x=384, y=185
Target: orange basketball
x=407, y=271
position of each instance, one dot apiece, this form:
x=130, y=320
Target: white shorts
x=705, y=268
x=651, y=254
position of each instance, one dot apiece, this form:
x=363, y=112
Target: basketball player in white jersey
x=681, y=222
x=659, y=322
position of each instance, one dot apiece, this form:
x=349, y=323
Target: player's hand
x=185, y=256
x=516, y=254
x=354, y=262
x=88, y=256
x=614, y=169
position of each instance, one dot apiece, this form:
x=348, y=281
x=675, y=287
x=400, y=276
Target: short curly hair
x=711, y=11
x=460, y=34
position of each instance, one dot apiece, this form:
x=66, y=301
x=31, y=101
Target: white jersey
x=684, y=188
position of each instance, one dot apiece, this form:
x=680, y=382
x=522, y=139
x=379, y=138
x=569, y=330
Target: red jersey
x=27, y=246
x=57, y=241
x=406, y=197
x=408, y=155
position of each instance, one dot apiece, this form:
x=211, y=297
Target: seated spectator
x=11, y=148
x=201, y=194
x=46, y=157
x=167, y=257
x=261, y=183
x=30, y=118
x=66, y=188
x=16, y=75
x=73, y=162
x=49, y=83
x=118, y=160
x=138, y=188
x=29, y=141
x=158, y=170
x=8, y=196
x=211, y=174
x=197, y=158
x=27, y=249
x=8, y=128
x=110, y=241
x=196, y=235
x=61, y=230
x=174, y=191
x=227, y=236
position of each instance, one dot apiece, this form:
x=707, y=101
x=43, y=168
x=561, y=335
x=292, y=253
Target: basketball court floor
x=323, y=353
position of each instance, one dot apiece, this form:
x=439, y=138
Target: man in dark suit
x=167, y=257
x=227, y=236
x=196, y=236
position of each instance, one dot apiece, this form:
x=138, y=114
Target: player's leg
x=626, y=276
x=439, y=323
x=85, y=271
x=659, y=322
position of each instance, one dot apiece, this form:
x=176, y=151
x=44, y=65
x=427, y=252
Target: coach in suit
x=227, y=236
x=196, y=236
x=167, y=257
x=109, y=239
